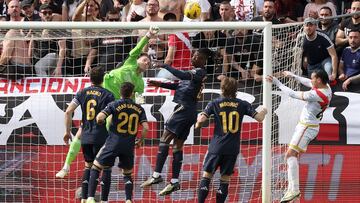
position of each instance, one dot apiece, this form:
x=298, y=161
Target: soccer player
x=317, y=100
x=92, y=100
x=126, y=117
x=223, y=149
x=177, y=127
x=130, y=71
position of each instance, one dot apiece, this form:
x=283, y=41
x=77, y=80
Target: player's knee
x=207, y=175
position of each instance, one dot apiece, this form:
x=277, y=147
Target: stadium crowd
x=236, y=53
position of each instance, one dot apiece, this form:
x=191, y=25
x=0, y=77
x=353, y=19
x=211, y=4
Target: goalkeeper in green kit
x=130, y=71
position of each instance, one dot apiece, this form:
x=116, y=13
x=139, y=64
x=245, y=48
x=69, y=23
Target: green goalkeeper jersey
x=127, y=72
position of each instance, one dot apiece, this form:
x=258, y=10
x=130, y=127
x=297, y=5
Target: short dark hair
x=322, y=74
x=169, y=16
x=229, y=87
x=112, y=12
x=326, y=7
x=354, y=30
x=97, y=75
x=205, y=52
x=127, y=90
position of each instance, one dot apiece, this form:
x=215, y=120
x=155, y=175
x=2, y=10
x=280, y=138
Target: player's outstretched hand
x=153, y=83
x=269, y=78
x=153, y=30
x=67, y=137
x=139, y=142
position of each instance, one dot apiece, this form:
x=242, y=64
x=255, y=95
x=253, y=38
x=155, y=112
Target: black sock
x=85, y=183
x=105, y=184
x=128, y=186
x=203, y=189
x=94, y=176
x=161, y=156
x=222, y=192
x=177, y=163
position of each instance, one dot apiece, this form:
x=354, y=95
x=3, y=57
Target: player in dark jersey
x=224, y=147
x=177, y=127
x=92, y=100
x=126, y=117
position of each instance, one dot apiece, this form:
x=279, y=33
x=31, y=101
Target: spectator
x=313, y=7
x=68, y=9
x=318, y=50
x=226, y=14
x=215, y=41
x=269, y=13
x=109, y=52
x=88, y=11
x=172, y=6
x=349, y=67
x=244, y=54
x=346, y=26
x=256, y=50
x=15, y=60
x=289, y=11
x=108, y=5
x=328, y=26
x=50, y=53
x=178, y=53
x=245, y=10
x=156, y=47
x=136, y=10
x=55, y=6
x=27, y=9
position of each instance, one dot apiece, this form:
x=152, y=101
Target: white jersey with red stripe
x=317, y=100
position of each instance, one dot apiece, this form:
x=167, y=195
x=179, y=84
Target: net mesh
x=32, y=109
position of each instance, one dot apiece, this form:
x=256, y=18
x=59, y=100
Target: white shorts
x=302, y=136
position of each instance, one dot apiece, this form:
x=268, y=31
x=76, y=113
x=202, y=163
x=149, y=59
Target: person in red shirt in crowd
x=179, y=51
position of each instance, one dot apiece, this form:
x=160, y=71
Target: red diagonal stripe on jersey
x=325, y=101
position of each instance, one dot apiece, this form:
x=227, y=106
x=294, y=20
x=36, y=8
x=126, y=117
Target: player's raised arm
x=302, y=80
x=137, y=50
x=285, y=89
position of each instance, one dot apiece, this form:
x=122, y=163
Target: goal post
x=261, y=153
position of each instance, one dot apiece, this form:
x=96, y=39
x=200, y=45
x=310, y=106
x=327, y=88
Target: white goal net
x=32, y=107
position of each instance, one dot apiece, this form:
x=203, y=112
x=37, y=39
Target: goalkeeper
x=131, y=71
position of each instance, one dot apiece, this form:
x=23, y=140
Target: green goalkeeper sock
x=73, y=151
